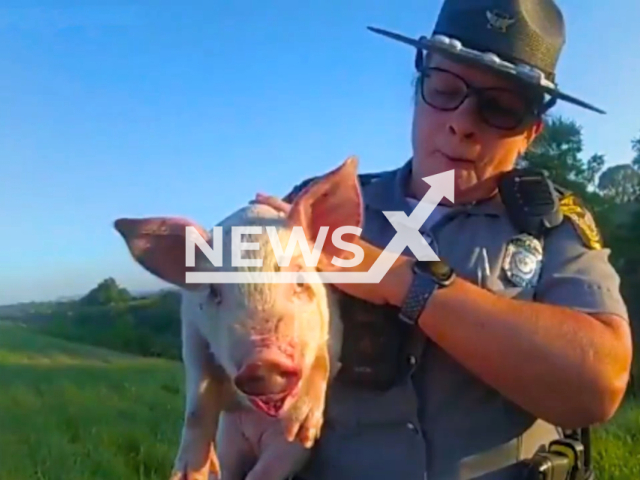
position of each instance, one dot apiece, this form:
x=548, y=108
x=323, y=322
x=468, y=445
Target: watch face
x=438, y=269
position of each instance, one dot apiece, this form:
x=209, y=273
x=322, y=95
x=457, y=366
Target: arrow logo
x=407, y=236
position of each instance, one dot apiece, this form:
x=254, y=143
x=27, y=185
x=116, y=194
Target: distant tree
x=620, y=183
x=558, y=150
x=107, y=292
x=635, y=147
x=594, y=166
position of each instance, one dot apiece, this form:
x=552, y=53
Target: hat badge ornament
x=499, y=20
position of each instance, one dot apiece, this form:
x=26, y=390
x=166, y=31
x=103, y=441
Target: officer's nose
x=463, y=122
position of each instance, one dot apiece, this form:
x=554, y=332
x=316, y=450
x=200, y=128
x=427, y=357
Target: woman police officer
x=511, y=356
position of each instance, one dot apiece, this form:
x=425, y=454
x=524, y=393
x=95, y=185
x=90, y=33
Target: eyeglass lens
x=500, y=108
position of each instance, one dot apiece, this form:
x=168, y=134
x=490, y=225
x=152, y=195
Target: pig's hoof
x=197, y=467
x=204, y=474
x=305, y=422
x=310, y=430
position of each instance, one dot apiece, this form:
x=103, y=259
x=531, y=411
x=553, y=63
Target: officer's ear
x=332, y=201
x=538, y=128
x=534, y=130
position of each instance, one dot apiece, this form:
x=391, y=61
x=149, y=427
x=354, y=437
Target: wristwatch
x=428, y=276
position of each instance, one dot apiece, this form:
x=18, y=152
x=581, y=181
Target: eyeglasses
x=500, y=108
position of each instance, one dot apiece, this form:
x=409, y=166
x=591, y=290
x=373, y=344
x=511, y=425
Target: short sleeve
x=577, y=276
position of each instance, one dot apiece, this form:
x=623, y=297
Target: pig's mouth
x=273, y=404
x=269, y=386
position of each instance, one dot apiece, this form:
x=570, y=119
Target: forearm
x=563, y=366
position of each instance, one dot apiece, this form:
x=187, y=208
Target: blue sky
x=146, y=109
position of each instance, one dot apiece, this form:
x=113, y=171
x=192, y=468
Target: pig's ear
x=333, y=200
x=158, y=245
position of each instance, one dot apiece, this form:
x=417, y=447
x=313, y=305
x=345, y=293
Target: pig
x=258, y=357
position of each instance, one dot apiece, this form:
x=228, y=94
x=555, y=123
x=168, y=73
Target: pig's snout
x=267, y=377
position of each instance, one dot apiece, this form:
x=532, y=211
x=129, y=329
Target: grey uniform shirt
x=441, y=422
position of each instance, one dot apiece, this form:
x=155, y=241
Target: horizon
x=192, y=110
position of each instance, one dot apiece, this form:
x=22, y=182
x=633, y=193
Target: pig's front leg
x=252, y=446
x=236, y=451
x=208, y=391
x=279, y=459
x=306, y=416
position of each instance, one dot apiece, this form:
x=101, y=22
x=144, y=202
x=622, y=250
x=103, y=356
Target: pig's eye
x=214, y=294
x=301, y=286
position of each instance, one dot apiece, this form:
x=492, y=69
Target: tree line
x=110, y=316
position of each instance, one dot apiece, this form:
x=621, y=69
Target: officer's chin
x=467, y=192
x=466, y=179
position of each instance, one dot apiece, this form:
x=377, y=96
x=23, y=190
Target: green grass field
x=72, y=412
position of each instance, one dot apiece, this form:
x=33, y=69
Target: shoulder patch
x=582, y=220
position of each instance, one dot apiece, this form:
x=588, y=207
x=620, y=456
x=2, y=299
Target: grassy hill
x=74, y=412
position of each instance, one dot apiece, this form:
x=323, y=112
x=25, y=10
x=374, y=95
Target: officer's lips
x=455, y=159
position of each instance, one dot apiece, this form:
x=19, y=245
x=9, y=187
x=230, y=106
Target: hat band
x=526, y=72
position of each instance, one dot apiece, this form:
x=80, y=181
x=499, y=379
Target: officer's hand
x=273, y=202
x=379, y=293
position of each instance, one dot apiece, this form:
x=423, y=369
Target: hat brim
x=478, y=58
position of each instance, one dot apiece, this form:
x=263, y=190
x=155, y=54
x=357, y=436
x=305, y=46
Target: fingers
x=273, y=202
x=375, y=293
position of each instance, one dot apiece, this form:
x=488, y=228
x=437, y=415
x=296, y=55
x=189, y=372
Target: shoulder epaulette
x=574, y=209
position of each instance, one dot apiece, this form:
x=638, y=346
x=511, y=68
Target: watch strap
x=420, y=291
